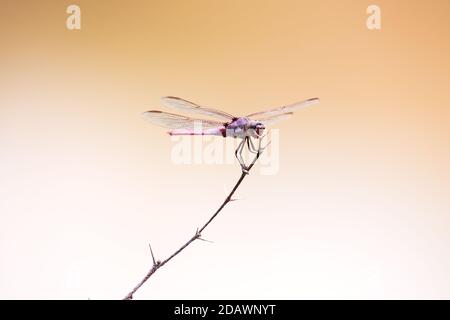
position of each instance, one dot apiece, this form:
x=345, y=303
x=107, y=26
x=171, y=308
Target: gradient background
x=360, y=206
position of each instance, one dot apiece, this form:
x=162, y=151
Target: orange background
x=359, y=208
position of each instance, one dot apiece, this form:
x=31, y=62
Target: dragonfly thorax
x=244, y=127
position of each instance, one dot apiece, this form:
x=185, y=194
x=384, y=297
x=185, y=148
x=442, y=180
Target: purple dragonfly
x=246, y=128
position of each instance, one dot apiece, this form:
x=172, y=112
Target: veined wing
x=187, y=106
x=284, y=109
x=269, y=121
x=176, y=121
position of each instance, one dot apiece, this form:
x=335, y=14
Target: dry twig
x=197, y=236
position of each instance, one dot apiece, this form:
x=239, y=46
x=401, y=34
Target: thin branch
x=197, y=236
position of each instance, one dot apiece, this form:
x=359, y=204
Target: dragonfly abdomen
x=220, y=131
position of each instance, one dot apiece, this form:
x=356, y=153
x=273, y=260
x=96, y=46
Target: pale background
x=360, y=206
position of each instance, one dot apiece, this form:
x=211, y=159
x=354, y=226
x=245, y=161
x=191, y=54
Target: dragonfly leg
x=260, y=148
x=238, y=154
x=242, y=162
x=251, y=146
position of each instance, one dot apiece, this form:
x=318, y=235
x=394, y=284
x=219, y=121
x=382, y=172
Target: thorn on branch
x=205, y=240
x=153, y=256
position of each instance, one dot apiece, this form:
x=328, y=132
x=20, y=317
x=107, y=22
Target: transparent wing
x=176, y=121
x=270, y=121
x=284, y=109
x=187, y=106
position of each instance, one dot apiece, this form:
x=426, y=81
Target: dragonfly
x=221, y=123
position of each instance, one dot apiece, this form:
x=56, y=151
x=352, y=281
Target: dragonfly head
x=256, y=128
